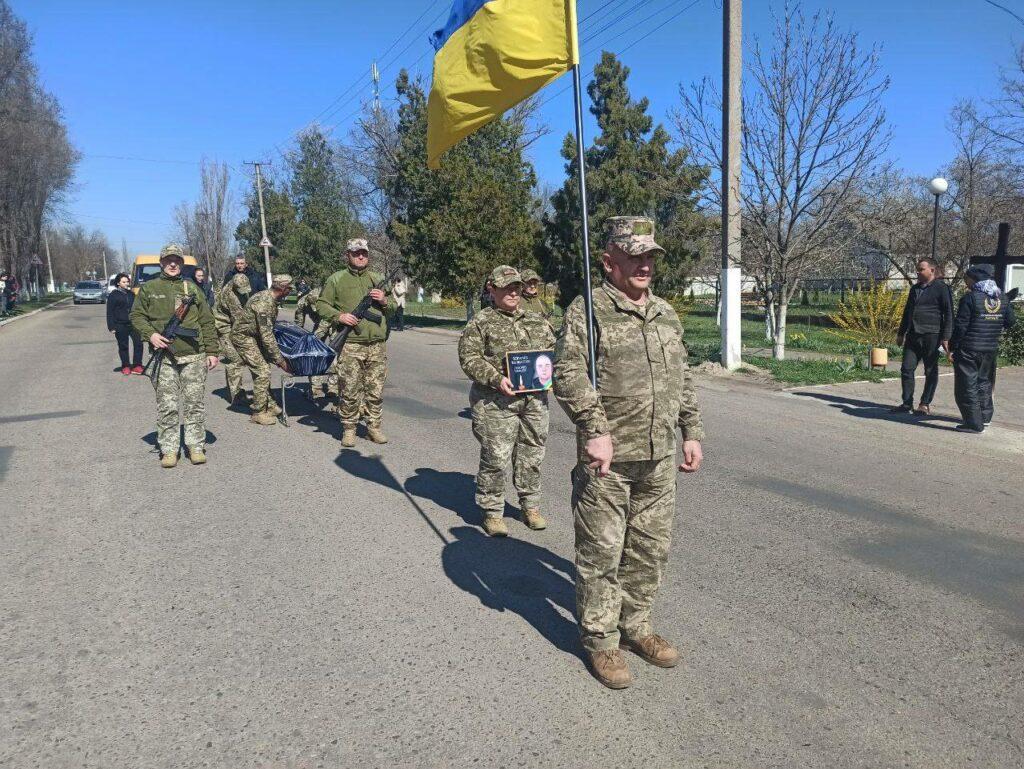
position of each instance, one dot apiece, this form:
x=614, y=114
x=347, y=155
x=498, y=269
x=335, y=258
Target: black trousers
x=920, y=348
x=974, y=377
x=122, y=333
x=398, y=319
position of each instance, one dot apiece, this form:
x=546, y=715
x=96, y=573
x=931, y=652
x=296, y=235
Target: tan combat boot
x=534, y=520
x=265, y=418
x=653, y=649
x=610, y=668
x=168, y=461
x=197, y=457
x=275, y=409
x=376, y=435
x=495, y=526
x=348, y=436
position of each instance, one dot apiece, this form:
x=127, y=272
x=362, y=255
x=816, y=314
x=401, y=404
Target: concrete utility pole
x=263, y=221
x=375, y=74
x=105, y=273
x=732, y=279
x=52, y=287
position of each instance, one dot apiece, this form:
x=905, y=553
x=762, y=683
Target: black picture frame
x=526, y=369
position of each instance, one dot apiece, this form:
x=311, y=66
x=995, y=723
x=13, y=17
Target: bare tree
x=813, y=127
x=206, y=226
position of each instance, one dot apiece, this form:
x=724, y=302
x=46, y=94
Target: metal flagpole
x=588, y=298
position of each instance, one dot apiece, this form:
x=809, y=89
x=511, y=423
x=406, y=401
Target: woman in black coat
x=119, y=305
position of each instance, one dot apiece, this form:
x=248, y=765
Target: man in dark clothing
x=257, y=280
x=927, y=323
x=982, y=316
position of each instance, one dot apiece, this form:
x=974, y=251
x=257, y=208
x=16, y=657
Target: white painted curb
x=30, y=314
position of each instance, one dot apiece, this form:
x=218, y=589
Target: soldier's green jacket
x=534, y=304
x=493, y=333
x=307, y=306
x=644, y=387
x=342, y=292
x=155, y=304
x=257, y=321
x=228, y=309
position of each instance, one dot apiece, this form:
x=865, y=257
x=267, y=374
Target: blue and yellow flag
x=491, y=55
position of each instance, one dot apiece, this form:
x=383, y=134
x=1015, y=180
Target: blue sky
x=175, y=82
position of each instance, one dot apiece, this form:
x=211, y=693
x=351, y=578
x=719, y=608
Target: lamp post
x=936, y=187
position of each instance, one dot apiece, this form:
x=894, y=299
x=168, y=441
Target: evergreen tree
x=280, y=223
x=631, y=171
x=456, y=224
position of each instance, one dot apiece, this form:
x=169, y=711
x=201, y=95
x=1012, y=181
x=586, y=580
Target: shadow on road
x=452, y=491
x=40, y=416
x=513, y=575
x=150, y=438
x=872, y=410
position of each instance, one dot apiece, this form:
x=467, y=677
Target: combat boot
x=653, y=649
x=197, y=456
x=348, y=436
x=275, y=410
x=610, y=668
x=263, y=418
x=168, y=461
x=376, y=435
x=495, y=526
x=534, y=520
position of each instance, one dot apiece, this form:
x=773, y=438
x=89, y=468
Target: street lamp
x=936, y=187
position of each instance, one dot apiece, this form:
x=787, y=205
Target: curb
x=30, y=314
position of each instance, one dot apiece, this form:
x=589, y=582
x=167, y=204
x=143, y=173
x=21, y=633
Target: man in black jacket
x=927, y=323
x=982, y=316
x=257, y=280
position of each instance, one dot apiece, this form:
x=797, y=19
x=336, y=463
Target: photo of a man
x=543, y=369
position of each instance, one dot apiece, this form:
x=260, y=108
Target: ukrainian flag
x=491, y=55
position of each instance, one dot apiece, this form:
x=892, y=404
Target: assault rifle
x=362, y=312
x=171, y=331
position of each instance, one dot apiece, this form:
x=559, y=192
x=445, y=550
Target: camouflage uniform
x=253, y=337
x=181, y=384
x=306, y=307
x=533, y=303
x=362, y=366
x=509, y=429
x=227, y=310
x=644, y=391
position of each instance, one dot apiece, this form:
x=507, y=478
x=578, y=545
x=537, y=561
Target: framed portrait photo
x=530, y=371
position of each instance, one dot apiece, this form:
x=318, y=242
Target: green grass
x=23, y=307
x=813, y=372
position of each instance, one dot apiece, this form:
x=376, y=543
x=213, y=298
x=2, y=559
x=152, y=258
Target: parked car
x=88, y=291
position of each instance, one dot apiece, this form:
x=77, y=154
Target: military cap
x=242, y=284
x=633, y=234
x=284, y=280
x=357, y=244
x=172, y=250
x=529, y=275
x=504, y=276
x=980, y=272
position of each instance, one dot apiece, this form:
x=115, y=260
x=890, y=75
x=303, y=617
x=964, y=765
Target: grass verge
x=814, y=372
x=23, y=307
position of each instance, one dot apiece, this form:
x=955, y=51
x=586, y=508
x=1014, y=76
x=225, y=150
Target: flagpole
x=588, y=297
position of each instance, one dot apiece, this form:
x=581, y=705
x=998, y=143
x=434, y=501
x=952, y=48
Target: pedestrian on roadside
x=510, y=427
x=981, y=317
x=119, y=308
x=362, y=366
x=205, y=285
x=398, y=291
x=926, y=326
x=257, y=280
x=624, y=485
x=181, y=381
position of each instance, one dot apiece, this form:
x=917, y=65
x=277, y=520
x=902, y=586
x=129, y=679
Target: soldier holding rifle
x=180, y=378
x=362, y=364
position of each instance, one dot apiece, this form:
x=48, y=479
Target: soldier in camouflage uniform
x=624, y=485
x=253, y=337
x=531, y=301
x=181, y=382
x=362, y=366
x=509, y=427
x=231, y=298
x=306, y=308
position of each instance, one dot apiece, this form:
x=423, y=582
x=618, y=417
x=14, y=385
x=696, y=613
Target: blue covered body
x=306, y=355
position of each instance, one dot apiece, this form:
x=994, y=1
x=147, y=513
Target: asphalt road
x=847, y=588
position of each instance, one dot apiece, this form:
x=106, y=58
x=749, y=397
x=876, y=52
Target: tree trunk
x=769, y=315
x=469, y=305
x=779, y=346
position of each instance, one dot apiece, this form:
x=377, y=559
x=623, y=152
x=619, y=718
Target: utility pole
x=105, y=273
x=265, y=242
x=52, y=287
x=375, y=74
x=731, y=279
